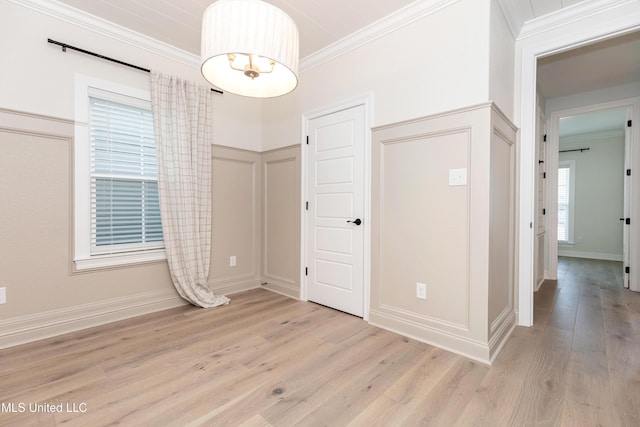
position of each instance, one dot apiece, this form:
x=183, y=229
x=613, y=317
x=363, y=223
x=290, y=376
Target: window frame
x=571, y=165
x=83, y=259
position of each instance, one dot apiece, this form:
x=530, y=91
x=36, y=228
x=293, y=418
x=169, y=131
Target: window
x=566, y=200
x=117, y=213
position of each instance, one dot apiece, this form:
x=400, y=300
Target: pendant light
x=250, y=48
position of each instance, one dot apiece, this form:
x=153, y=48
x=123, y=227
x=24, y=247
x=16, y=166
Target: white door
x=335, y=193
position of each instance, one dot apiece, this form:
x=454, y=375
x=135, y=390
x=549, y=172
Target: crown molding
x=109, y=29
x=567, y=15
x=408, y=14
x=511, y=16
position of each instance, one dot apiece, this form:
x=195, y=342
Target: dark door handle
x=356, y=221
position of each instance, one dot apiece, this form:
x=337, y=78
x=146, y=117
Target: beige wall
x=502, y=199
x=281, y=220
x=235, y=219
x=256, y=218
x=458, y=240
x=43, y=296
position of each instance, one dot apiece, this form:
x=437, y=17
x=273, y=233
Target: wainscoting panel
x=457, y=237
x=236, y=220
x=281, y=220
x=44, y=296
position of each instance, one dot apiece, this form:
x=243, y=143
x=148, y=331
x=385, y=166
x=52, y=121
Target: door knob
x=356, y=221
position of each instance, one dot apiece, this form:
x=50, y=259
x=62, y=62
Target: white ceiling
x=178, y=22
x=324, y=22
x=320, y=22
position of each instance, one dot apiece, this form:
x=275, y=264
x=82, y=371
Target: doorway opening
x=581, y=90
x=589, y=189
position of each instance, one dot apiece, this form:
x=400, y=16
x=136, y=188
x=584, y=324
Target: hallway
x=591, y=335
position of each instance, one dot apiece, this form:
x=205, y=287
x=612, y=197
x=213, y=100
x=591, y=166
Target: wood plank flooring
x=267, y=360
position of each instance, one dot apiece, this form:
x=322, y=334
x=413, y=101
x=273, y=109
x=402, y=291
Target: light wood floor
x=269, y=360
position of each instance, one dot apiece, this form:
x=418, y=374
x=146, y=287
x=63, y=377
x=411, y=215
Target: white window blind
x=125, y=213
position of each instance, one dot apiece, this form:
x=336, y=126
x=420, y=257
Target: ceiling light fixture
x=250, y=48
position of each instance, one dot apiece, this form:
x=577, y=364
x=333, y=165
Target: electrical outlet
x=421, y=290
x=3, y=295
x=579, y=239
x=232, y=261
x=458, y=176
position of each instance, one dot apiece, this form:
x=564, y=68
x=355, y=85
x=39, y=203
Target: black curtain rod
x=97, y=55
x=577, y=149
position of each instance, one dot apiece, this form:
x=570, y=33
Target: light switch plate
x=458, y=176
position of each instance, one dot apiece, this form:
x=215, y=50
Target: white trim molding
x=109, y=29
x=570, y=14
x=410, y=13
x=33, y=327
x=402, y=17
x=597, y=20
x=511, y=15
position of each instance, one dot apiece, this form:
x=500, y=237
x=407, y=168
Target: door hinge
x=628, y=172
x=306, y=271
x=307, y=139
x=544, y=138
x=307, y=205
x=544, y=211
x=544, y=175
x=626, y=270
x=629, y=123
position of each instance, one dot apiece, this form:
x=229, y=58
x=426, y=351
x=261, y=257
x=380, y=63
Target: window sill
x=118, y=260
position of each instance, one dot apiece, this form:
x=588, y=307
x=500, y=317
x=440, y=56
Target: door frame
x=366, y=101
x=552, y=171
x=583, y=24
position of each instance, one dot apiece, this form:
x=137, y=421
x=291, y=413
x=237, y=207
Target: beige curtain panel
x=183, y=131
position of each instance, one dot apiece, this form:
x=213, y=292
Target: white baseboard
x=286, y=289
x=228, y=288
x=501, y=331
x=589, y=255
x=33, y=327
x=471, y=349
